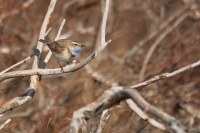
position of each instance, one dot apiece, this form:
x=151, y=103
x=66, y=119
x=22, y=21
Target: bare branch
x=5, y=123
x=28, y=95
x=17, y=64
x=104, y=118
x=157, y=42
x=115, y=95
x=164, y=25
x=108, y=99
x=57, y=37
x=193, y=6
x=103, y=26
x=13, y=12
x=76, y=124
x=165, y=75
x=68, y=68
x=22, y=61
x=144, y=116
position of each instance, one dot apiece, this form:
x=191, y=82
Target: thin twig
x=47, y=31
x=22, y=61
x=13, y=83
x=155, y=32
x=78, y=116
x=68, y=68
x=5, y=123
x=120, y=95
x=28, y=95
x=193, y=6
x=60, y=29
x=104, y=118
x=115, y=95
x=17, y=64
x=99, y=76
x=144, y=116
x=16, y=11
x=103, y=26
x=50, y=53
x=165, y=75
x=76, y=124
x=157, y=42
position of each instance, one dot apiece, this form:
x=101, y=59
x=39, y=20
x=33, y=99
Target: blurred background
x=149, y=37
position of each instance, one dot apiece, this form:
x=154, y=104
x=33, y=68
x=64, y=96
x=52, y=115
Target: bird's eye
x=75, y=43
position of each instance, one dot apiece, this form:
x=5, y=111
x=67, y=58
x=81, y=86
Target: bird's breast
x=63, y=56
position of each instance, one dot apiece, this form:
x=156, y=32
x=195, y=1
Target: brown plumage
x=63, y=50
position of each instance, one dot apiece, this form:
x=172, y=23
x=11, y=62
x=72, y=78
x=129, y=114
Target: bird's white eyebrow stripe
x=75, y=43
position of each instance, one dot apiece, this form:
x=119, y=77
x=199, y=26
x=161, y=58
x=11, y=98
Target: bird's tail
x=50, y=45
x=43, y=41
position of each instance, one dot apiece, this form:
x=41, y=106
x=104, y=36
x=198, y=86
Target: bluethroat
x=64, y=50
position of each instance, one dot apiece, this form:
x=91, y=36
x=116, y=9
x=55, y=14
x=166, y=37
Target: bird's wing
x=50, y=45
x=62, y=43
x=56, y=46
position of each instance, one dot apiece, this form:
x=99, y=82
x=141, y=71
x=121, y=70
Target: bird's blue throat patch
x=76, y=50
x=74, y=53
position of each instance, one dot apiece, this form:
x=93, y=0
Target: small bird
x=63, y=49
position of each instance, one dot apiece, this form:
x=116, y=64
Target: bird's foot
x=62, y=70
x=74, y=62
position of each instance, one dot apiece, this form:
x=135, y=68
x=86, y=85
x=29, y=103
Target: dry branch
x=165, y=75
x=158, y=40
x=43, y=72
x=4, y=124
x=28, y=95
x=154, y=33
x=50, y=53
x=78, y=124
x=116, y=94
x=112, y=97
x=104, y=119
x=21, y=62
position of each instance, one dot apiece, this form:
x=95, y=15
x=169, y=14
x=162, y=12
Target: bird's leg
x=60, y=66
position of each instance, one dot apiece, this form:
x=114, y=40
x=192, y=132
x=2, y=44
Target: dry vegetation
x=149, y=37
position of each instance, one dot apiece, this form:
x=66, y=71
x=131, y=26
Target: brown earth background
x=130, y=23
